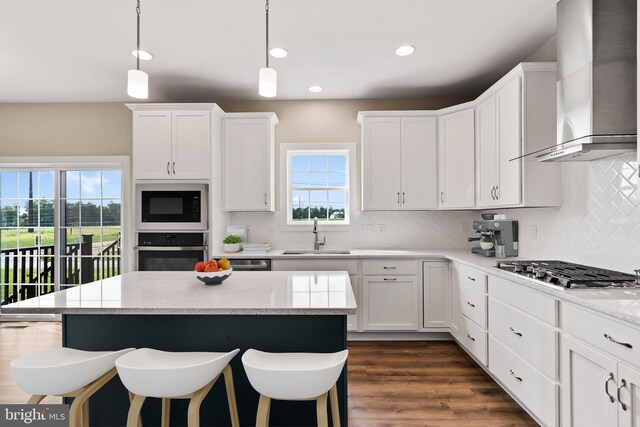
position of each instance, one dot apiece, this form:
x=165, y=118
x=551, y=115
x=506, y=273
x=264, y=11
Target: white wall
x=599, y=221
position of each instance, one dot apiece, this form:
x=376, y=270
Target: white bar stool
x=295, y=376
x=66, y=372
x=175, y=375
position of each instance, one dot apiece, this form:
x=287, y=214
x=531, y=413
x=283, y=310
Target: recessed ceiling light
x=315, y=88
x=278, y=52
x=144, y=55
x=405, y=50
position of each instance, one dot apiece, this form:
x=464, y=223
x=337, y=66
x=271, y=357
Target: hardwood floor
x=426, y=383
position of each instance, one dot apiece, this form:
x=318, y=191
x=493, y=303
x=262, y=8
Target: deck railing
x=30, y=271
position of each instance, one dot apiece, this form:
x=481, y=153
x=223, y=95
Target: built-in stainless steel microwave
x=171, y=207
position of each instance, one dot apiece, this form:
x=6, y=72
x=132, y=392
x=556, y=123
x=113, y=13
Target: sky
x=80, y=184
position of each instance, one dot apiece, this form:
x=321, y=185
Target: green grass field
x=9, y=237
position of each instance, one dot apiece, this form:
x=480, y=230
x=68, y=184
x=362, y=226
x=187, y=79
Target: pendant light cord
x=138, y=36
x=266, y=8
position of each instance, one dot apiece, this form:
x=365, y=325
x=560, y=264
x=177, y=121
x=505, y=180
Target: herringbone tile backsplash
x=599, y=221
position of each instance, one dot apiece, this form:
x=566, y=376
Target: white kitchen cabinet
x=456, y=154
x=455, y=297
x=629, y=397
x=172, y=141
x=399, y=162
x=436, y=295
x=587, y=376
x=514, y=117
x=390, y=303
x=249, y=168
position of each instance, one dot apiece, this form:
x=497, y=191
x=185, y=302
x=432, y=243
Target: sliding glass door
x=58, y=228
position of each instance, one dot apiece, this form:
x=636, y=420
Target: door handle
x=471, y=305
x=393, y=279
x=168, y=171
x=613, y=340
x=623, y=383
x=389, y=268
x=514, y=331
x=398, y=197
x=470, y=337
x=606, y=387
x=514, y=375
x=442, y=197
x=265, y=198
x=497, y=192
x=403, y=197
x=471, y=278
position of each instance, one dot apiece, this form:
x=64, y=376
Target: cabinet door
x=456, y=144
x=190, y=158
x=585, y=374
x=419, y=163
x=487, y=152
x=629, y=396
x=248, y=165
x=436, y=295
x=455, y=300
x=390, y=303
x=152, y=144
x=352, y=319
x=381, y=164
x=509, y=106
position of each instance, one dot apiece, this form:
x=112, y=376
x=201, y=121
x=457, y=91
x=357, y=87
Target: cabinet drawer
x=348, y=265
x=473, y=338
x=594, y=330
x=472, y=277
x=473, y=304
x=534, y=390
x=389, y=267
x=530, y=339
x=531, y=302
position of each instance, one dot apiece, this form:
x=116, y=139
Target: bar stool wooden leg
x=193, y=413
x=264, y=407
x=82, y=396
x=166, y=411
x=85, y=414
x=335, y=411
x=321, y=411
x=35, y=399
x=131, y=396
x=134, y=410
x=231, y=396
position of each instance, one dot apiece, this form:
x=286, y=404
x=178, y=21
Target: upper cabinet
x=172, y=141
x=456, y=153
x=517, y=115
x=399, y=161
x=248, y=161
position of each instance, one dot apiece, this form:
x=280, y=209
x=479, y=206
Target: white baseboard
x=399, y=336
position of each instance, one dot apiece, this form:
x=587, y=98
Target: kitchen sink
x=318, y=252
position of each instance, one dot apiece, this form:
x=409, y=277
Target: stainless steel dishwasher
x=244, y=264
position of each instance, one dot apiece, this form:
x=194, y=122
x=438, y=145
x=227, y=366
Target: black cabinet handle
x=606, y=387
x=470, y=337
x=393, y=279
x=471, y=305
x=514, y=375
x=624, y=344
x=514, y=331
x=623, y=383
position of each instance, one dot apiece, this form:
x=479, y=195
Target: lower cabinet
x=436, y=295
x=390, y=303
x=455, y=298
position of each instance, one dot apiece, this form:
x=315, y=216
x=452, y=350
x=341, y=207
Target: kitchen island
x=174, y=311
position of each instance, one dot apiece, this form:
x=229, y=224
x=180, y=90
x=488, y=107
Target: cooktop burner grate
x=569, y=275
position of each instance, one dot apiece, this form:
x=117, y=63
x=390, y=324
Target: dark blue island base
x=272, y=333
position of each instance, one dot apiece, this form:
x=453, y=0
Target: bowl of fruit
x=213, y=272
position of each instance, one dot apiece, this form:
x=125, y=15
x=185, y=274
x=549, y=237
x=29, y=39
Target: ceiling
x=207, y=50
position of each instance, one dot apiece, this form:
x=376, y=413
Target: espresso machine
x=495, y=233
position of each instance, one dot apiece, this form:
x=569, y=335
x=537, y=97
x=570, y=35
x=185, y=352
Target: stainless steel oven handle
x=250, y=267
x=169, y=248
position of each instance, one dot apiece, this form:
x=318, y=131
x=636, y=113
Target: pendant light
x=137, y=80
x=267, y=77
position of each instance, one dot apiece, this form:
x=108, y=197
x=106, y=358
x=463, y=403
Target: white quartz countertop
x=623, y=304
x=243, y=293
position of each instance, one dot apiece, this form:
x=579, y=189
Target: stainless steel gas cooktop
x=569, y=275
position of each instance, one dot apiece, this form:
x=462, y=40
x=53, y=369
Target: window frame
x=57, y=164
x=290, y=149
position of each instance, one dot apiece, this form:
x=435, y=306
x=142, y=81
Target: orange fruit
x=214, y=263
x=210, y=268
x=200, y=266
x=224, y=264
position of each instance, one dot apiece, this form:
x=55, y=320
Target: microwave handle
x=169, y=248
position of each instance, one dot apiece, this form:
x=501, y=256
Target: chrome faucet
x=317, y=244
x=637, y=275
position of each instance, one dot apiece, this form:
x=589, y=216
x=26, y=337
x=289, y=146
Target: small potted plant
x=232, y=243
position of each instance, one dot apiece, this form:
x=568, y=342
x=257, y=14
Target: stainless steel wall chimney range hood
x=596, y=80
